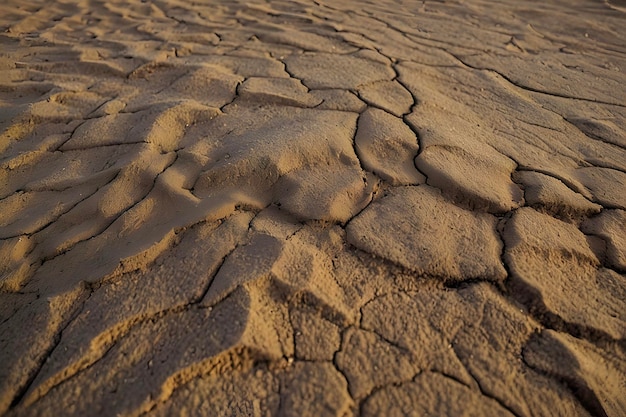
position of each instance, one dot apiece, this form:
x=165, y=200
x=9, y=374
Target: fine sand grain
x=312, y=208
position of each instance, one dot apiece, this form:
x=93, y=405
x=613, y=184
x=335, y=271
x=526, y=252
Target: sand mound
x=312, y=208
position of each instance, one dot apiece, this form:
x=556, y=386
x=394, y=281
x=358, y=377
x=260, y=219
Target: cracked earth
x=312, y=208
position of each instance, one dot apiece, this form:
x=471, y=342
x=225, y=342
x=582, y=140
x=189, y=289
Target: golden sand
x=312, y=208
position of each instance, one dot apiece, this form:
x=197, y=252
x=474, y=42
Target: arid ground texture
x=312, y=208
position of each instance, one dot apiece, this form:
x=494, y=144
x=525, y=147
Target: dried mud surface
x=312, y=208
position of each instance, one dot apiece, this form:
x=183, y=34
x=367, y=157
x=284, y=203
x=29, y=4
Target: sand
x=312, y=208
